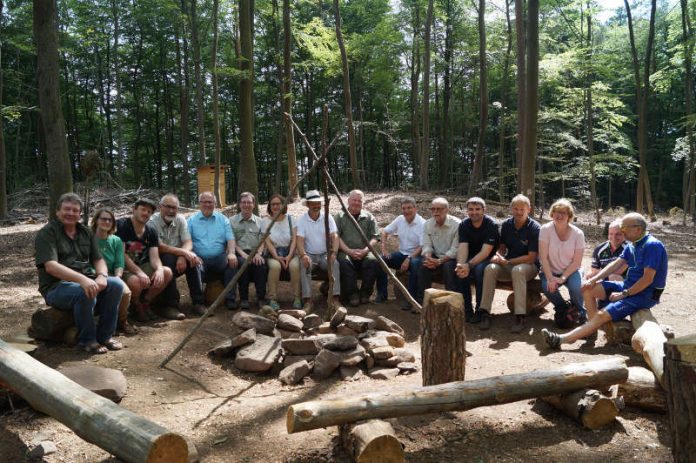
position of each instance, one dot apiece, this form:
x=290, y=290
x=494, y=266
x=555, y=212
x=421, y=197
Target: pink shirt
x=561, y=252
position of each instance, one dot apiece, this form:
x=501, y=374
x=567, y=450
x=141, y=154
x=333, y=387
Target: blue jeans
x=212, y=268
x=574, y=286
x=70, y=296
x=475, y=275
x=394, y=261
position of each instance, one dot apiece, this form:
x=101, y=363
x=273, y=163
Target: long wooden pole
x=460, y=395
x=97, y=420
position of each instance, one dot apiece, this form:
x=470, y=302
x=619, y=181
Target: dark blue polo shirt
x=646, y=252
x=520, y=242
x=487, y=233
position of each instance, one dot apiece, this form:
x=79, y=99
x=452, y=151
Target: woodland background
x=585, y=99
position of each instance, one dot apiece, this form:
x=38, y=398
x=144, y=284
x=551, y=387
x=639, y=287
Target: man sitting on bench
x=646, y=258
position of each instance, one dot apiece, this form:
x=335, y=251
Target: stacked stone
x=299, y=344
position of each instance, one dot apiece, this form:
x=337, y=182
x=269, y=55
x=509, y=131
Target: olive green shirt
x=248, y=232
x=79, y=254
x=350, y=236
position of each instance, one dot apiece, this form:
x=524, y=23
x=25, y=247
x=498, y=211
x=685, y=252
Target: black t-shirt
x=487, y=233
x=137, y=247
x=520, y=242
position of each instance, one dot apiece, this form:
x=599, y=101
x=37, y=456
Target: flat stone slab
x=326, y=363
x=385, y=324
x=246, y=320
x=343, y=330
x=259, y=356
x=227, y=347
x=307, y=346
x=352, y=357
x=296, y=313
x=289, y=323
x=325, y=328
x=390, y=362
x=106, y=382
x=42, y=449
x=350, y=373
x=358, y=324
x=290, y=359
x=338, y=317
x=311, y=321
x=384, y=373
x=382, y=352
x=267, y=311
x=404, y=355
x=407, y=367
x=293, y=373
x=342, y=343
x=285, y=334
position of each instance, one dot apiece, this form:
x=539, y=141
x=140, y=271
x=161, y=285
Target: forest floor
x=239, y=417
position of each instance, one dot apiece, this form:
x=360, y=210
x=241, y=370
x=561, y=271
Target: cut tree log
x=97, y=420
x=536, y=301
x=590, y=407
x=641, y=390
x=622, y=331
x=649, y=340
x=373, y=441
x=50, y=324
x=443, y=338
x=680, y=379
x=460, y=395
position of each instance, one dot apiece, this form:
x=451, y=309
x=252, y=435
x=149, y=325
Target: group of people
x=129, y=267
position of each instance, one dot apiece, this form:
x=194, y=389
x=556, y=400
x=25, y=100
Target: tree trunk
x=521, y=61
x=373, y=441
x=425, y=142
x=590, y=407
x=504, y=94
x=642, y=391
x=184, y=91
x=680, y=379
x=527, y=168
x=460, y=395
x=443, y=339
x=118, y=120
x=445, y=153
x=347, y=99
x=94, y=418
x=689, y=174
x=589, y=116
x=287, y=100
x=649, y=340
x=216, y=106
x=248, y=180
x=48, y=80
x=200, y=109
x=50, y=324
x=3, y=156
x=483, y=103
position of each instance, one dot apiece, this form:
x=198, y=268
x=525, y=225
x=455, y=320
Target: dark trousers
x=351, y=270
x=257, y=274
x=475, y=276
x=170, y=295
x=446, y=271
x=394, y=261
x=211, y=269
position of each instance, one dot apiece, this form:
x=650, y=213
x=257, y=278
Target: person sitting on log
x=561, y=246
x=646, y=258
x=354, y=258
x=111, y=248
x=608, y=251
x=213, y=241
x=516, y=259
x=478, y=241
x=145, y=275
x=440, y=243
x=312, y=247
x=73, y=276
x=176, y=249
x=281, y=253
x=409, y=228
x=248, y=231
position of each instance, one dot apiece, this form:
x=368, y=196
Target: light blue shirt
x=210, y=234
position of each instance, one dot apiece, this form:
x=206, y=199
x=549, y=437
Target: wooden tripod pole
x=331, y=256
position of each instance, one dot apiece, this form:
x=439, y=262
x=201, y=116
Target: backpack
x=567, y=317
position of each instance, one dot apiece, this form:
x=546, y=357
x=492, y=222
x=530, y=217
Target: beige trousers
x=518, y=274
x=274, y=269
x=124, y=305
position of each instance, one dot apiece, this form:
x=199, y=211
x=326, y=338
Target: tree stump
x=680, y=381
x=649, y=340
x=588, y=406
x=50, y=324
x=622, y=331
x=536, y=300
x=372, y=441
x=642, y=390
x=443, y=338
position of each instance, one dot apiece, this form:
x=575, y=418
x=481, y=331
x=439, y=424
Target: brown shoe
x=127, y=329
x=518, y=326
x=171, y=313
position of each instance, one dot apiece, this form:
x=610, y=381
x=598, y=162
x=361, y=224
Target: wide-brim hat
x=312, y=196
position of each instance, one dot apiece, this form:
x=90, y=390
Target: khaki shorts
x=146, y=267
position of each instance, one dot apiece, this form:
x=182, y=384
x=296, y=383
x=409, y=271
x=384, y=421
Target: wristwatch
x=624, y=293
x=105, y=275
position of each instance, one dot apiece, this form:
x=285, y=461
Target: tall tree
x=48, y=80
x=589, y=113
x=3, y=157
x=644, y=192
x=287, y=100
x=445, y=150
x=248, y=180
x=504, y=95
x=483, y=101
x=521, y=47
x=425, y=141
x=216, y=106
x=200, y=108
x=415, y=78
x=689, y=182
x=182, y=76
x=527, y=183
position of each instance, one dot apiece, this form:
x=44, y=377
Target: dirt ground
x=239, y=417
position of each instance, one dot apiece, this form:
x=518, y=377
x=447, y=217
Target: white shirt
x=441, y=240
x=313, y=232
x=410, y=234
x=280, y=233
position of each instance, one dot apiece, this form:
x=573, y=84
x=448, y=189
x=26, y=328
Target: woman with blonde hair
x=280, y=246
x=561, y=247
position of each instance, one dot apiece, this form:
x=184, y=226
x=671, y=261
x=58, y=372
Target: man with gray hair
x=645, y=281
x=440, y=242
x=248, y=231
x=608, y=251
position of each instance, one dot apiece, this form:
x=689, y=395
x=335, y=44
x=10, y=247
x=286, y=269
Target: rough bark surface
x=590, y=407
x=680, y=379
x=372, y=442
x=443, y=339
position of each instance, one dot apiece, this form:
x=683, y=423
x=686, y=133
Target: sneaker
x=198, y=309
x=171, y=313
x=551, y=339
x=297, y=303
x=244, y=304
x=485, y=318
x=354, y=300
x=518, y=326
x=380, y=298
x=274, y=304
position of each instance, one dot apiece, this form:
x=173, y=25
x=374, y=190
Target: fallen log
x=461, y=395
x=680, y=381
x=590, y=407
x=443, y=338
x=641, y=390
x=97, y=420
x=49, y=324
x=649, y=340
x=372, y=442
x=622, y=331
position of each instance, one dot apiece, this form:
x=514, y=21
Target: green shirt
x=350, y=236
x=52, y=244
x=111, y=250
x=247, y=232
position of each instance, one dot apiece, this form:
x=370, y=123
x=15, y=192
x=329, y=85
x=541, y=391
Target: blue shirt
x=209, y=234
x=520, y=242
x=646, y=252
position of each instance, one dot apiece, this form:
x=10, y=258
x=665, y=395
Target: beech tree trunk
x=216, y=106
x=642, y=390
x=689, y=174
x=96, y=419
x=443, y=338
x=590, y=407
x=248, y=180
x=182, y=75
x=483, y=103
x=286, y=85
x=649, y=340
x=527, y=168
x=3, y=157
x=425, y=141
x=680, y=379
x=200, y=109
x=521, y=61
x=460, y=395
x=373, y=441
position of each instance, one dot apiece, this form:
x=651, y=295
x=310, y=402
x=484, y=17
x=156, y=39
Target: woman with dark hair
x=281, y=251
x=111, y=248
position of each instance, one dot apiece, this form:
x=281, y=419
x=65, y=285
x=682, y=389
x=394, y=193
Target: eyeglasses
x=170, y=206
x=106, y=219
x=437, y=209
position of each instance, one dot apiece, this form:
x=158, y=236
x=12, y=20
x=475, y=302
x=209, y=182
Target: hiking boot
x=354, y=300
x=127, y=329
x=198, y=309
x=518, y=326
x=485, y=318
x=297, y=303
x=475, y=316
x=171, y=313
x=551, y=339
x=244, y=304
